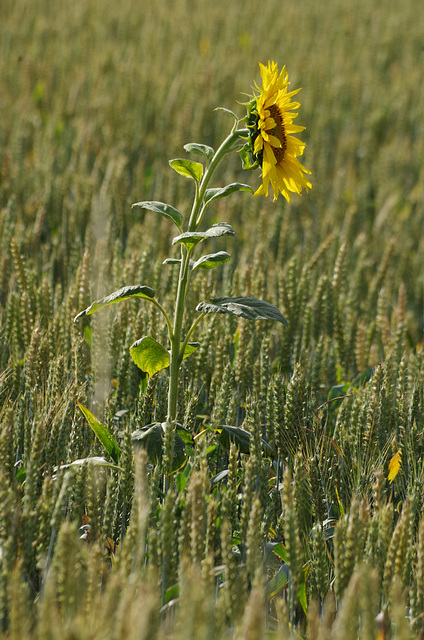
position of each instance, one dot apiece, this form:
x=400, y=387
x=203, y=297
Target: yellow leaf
x=394, y=466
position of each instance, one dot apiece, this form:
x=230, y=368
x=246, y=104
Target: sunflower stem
x=177, y=352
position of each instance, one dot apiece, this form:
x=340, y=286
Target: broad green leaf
x=220, y=229
x=149, y=355
x=165, y=210
x=222, y=192
x=151, y=438
x=97, y=461
x=249, y=308
x=190, y=238
x=102, y=434
x=134, y=291
x=278, y=582
x=152, y=357
x=212, y=260
x=187, y=168
x=200, y=149
x=394, y=466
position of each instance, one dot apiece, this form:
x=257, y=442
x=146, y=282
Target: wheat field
x=311, y=525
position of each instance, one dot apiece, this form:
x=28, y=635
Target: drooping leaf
x=187, y=168
x=236, y=435
x=249, y=308
x=212, y=260
x=222, y=192
x=151, y=438
x=149, y=355
x=106, y=438
x=165, y=210
x=227, y=111
x=191, y=238
x=200, y=149
x=394, y=466
x=152, y=357
x=133, y=291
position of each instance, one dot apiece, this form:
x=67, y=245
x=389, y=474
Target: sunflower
x=270, y=120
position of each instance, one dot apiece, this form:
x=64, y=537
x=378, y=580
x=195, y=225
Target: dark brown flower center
x=279, y=132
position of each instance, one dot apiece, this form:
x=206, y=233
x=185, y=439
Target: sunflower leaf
x=187, y=168
x=227, y=111
x=165, y=210
x=222, y=192
x=151, y=438
x=191, y=238
x=149, y=355
x=200, y=149
x=152, y=357
x=212, y=260
x=133, y=291
x=249, y=308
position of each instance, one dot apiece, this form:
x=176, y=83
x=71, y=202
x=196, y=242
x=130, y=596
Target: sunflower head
x=271, y=145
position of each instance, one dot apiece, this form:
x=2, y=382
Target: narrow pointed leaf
x=200, y=149
x=149, y=355
x=222, y=192
x=134, y=291
x=212, y=260
x=187, y=168
x=278, y=582
x=249, y=308
x=102, y=434
x=97, y=461
x=165, y=210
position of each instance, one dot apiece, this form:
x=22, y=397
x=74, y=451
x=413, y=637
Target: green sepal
x=200, y=149
x=248, y=161
x=133, y=291
x=249, y=308
x=187, y=168
x=222, y=192
x=165, y=210
x=152, y=357
x=212, y=260
x=102, y=434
